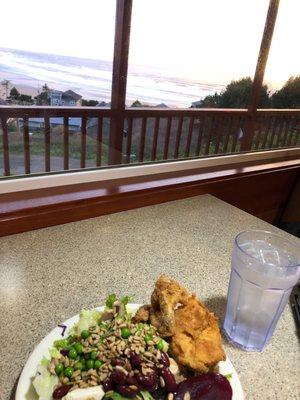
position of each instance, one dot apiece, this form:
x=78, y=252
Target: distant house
x=37, y=124
x=3, y=102
x=196, y=104
x=161, y=105
x=67, y=98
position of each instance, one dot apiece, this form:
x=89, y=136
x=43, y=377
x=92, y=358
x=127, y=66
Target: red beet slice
x=209, y=386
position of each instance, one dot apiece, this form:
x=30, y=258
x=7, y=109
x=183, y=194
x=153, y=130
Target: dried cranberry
x=149, y=381
x=127, y=391
x=118, y=377
x=61, y=391
x=64, y=352
x=131, y=380
x=164, y=359
x=135, y=360
x=118, y=361
x=169, y=379
x=107, y=385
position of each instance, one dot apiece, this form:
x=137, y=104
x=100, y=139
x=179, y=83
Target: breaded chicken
x=195, y=335
x=142, y=314
x=166, y=297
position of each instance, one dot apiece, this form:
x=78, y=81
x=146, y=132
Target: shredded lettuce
x=110, y=300
x=228, y=376
x=45, y=361
x=44, y=383
x=114, y=396
x=87, y=318
x=166, y=346
x=146, y=395
x=126, y=299
x=54, y=352
x=61, y=344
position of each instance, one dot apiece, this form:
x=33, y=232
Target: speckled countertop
x=48, y=275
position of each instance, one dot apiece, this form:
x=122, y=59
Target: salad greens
x=116, y=396
x=87, y=318
x=110, y=300
x=44, y=383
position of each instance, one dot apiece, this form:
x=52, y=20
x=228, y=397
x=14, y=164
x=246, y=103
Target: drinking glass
x=264, y=269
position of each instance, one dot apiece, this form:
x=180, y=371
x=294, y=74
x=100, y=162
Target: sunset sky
x=210, y=41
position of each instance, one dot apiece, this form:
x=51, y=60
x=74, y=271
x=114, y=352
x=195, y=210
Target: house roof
x=54, y=91
x=197, y=103
x=72, y=94
x=161, y=105
x=73, y=121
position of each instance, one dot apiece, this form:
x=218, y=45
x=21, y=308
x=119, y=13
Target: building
x=37, y=124
x=67, y=98
x=197, y=104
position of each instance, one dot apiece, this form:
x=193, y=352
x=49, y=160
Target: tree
x=89, y=103
x=289, y=95
x=211, y=101
x=14, y=94
x=236, y=95
x=25, y=99
x=43, y=97
x=136, y=103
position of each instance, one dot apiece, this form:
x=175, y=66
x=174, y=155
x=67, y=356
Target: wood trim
x=263, y=54
x=259, y=74
x=5, y=147
x=119, y=79
x=20, y=212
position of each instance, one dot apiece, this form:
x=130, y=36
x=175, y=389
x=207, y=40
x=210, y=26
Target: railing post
x=119, y=79
x=259, y=74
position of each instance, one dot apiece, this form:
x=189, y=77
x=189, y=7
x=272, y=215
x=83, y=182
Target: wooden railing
x=146, y=135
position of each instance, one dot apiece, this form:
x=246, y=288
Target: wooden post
x=259, y=73
x=6, y=165
x=119, y=79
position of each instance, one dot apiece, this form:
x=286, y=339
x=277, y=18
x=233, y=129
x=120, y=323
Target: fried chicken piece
x=142, y=314
x=194, y=331
x=166, y=297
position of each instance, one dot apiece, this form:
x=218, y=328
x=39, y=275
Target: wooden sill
x=23, y=211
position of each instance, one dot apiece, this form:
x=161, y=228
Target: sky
x=211, y=41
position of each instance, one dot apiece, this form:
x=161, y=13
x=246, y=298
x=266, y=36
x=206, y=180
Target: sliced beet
x=209, y=386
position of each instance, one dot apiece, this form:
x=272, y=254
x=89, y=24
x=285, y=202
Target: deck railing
x=146, y=135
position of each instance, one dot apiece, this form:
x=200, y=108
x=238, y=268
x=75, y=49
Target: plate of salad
x=104, y=353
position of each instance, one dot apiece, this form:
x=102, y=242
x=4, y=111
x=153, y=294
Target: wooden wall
x=261, y=190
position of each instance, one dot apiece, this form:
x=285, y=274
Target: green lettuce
x=114, y=396
x=87, y=318
x=126, y=299
x=146, y=395
x=110, y=300
x=166, y=346
x=44, y=383
x=228, y=376
x=45, y=361
x=54, y=352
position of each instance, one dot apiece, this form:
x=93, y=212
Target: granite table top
x=48, y=275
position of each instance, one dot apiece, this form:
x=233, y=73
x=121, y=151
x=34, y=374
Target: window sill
x=239, y=184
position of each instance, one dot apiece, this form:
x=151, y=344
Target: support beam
x=260, y=72
x=119, y=78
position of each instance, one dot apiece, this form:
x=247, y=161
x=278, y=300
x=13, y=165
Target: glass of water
x=264, y=269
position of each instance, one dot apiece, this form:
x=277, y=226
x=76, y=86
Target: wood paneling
x=261, y=190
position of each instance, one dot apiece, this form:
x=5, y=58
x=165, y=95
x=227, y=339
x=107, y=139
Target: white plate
x=26, y=391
